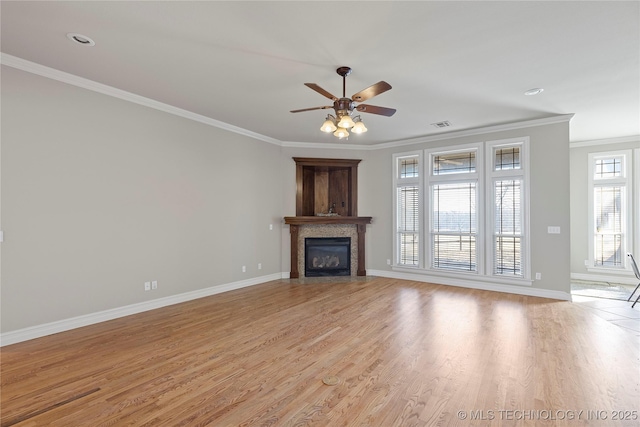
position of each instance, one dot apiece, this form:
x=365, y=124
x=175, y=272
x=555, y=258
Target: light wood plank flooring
x=405, y=354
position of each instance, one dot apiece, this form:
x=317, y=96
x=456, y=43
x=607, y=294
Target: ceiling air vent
x=444, y=124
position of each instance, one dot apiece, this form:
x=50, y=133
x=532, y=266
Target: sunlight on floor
x=607, y=290
x=608, y=301
x=614, y=311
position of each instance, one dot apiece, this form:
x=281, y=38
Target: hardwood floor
x=405, y=353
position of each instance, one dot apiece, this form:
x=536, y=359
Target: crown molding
x=561, y=118
x=68, y=78
x=440, y=137
x=618, y=140
x=325, y=146
x=61, y=76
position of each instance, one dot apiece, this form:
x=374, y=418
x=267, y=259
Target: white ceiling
x=245, y=63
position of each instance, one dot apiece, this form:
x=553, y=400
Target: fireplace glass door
x=327, y=256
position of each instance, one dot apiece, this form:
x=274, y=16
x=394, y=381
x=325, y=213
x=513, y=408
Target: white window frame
x=453, y=178
x=494, y=175
x=485, y=176
x=627, y=210
x=405, y=182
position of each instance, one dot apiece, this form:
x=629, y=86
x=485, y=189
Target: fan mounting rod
x=344, y=72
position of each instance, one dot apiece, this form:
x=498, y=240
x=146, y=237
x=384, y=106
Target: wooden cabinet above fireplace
x=326, y=186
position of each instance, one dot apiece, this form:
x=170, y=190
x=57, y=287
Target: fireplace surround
x=301, y=227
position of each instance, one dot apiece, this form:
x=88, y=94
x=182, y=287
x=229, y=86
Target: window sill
x=465, y=276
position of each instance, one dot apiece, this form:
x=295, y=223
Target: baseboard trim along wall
x=38, y=331
x=630, y=280
x=495, y=287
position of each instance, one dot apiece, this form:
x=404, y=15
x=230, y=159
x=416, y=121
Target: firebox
x=327, y=256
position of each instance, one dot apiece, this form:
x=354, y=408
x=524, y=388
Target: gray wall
x=100, y=195
x=549, y=190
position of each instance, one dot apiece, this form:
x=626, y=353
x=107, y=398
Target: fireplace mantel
x=295, y=222
x=300, y=220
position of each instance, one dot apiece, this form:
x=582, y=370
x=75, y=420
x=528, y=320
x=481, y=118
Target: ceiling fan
x=344, y=106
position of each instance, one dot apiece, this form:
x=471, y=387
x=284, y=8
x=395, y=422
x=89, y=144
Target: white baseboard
x=464, y=283
x=629, y=280
x=38, y=331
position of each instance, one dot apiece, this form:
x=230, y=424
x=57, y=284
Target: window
x=463, y=209
x=409, y=167
x=453, y=223
x=507, y=178
x=464, y=162
x=407, y=210
x=610, y=218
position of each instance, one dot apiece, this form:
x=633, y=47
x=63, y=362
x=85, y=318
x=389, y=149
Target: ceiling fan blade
x=372, y=109
x=312, y=108
x=321, y=91
x=371, y=91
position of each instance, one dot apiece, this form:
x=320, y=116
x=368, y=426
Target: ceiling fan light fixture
x=344, y=107
x=346, y=122
x=359, y=127
x=341, y=133
x=329, y=125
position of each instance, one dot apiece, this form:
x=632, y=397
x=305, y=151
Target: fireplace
x=327, y=256
x=327, y=207
x=303, y=227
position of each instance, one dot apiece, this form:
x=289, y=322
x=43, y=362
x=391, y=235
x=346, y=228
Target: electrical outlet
x=388, y=262
x=154, y=284
x=586, y=263
x=244, y=268
x=147, y=286
x=259, y=266
x=538, y=276
x=270, y=226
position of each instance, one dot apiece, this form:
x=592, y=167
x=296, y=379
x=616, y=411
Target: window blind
x=408, y=224
x=508, y=227
x=454, y=226
x=608, y=219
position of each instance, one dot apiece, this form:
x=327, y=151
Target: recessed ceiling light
x=81, y=39
x=534, y=91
